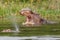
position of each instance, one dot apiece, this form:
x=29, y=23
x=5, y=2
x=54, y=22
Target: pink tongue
x=29, y=17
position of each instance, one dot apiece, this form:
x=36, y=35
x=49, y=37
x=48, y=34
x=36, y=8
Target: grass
x=47, y=9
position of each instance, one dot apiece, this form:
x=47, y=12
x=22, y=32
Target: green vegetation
x=48, y=9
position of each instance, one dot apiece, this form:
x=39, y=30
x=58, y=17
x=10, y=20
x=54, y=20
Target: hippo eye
x=27, y=11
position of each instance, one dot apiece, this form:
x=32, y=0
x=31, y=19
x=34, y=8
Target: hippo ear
x=31, y=12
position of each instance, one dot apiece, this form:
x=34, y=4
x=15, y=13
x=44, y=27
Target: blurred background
x=48, y=9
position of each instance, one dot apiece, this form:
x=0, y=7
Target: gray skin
x=33, y=18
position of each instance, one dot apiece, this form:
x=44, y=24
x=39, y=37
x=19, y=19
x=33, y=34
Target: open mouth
x=29, y=18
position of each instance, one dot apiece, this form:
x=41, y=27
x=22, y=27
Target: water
x=30, y=38
x=13, y=19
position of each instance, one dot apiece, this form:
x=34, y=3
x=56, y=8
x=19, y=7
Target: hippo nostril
x=22, y=12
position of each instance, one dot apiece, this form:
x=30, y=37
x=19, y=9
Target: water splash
x=13, y=19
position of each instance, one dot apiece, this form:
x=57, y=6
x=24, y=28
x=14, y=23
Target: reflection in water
x=27, y=38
